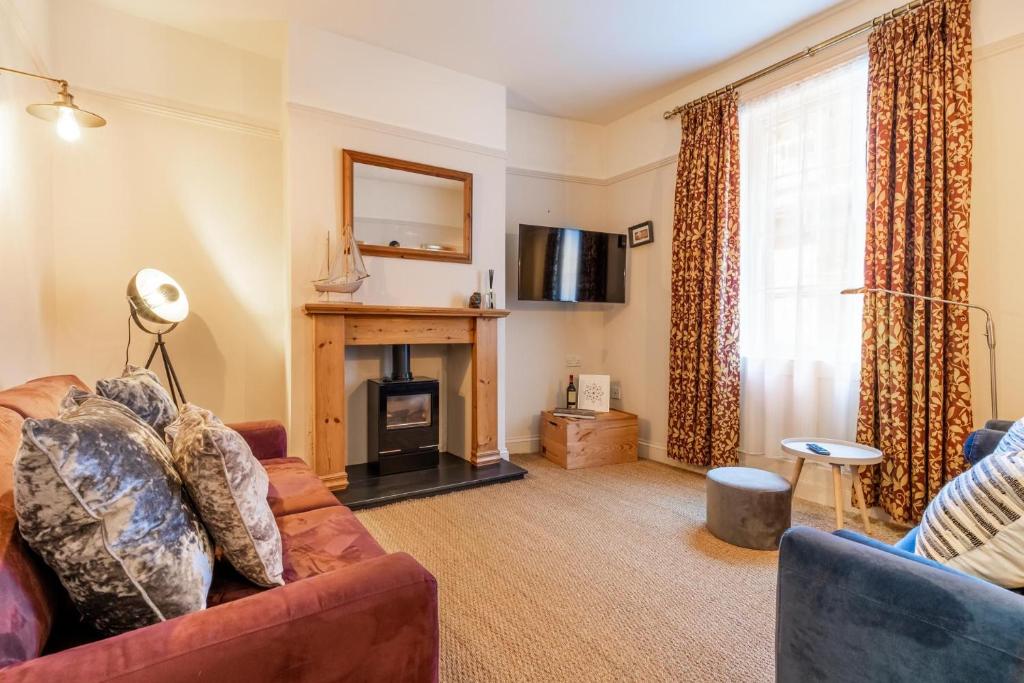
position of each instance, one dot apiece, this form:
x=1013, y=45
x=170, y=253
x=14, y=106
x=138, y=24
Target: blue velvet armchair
x=850, y=608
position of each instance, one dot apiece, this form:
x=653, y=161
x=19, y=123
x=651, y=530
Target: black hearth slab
x=452, y=474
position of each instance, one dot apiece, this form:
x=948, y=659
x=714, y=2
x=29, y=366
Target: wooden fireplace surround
x=338, y=325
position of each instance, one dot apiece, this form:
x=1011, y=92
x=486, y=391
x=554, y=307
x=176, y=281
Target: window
x=802, y=217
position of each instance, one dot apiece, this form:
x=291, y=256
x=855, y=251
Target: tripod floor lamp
x=990, y=330
x=155, y=298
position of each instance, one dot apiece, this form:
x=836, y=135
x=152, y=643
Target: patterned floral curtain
x=704, y=361
x=915, y=395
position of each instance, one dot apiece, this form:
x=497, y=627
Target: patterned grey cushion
x=140, y=391
x=229, y=488
x=96, y=497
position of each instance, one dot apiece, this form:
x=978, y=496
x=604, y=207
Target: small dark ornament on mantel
x=474, y=300
x=394, y=243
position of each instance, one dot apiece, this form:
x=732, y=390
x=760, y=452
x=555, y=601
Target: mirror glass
x=409, y=210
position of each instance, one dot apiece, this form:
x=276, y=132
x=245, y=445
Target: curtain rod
x=807, y=52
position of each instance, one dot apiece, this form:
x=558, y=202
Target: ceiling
x=592, y=60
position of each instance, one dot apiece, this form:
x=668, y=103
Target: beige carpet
x=603, y=574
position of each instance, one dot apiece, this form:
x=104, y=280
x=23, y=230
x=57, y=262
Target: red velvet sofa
x=348, y=612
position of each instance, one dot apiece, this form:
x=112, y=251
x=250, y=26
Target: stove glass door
x=405, y=411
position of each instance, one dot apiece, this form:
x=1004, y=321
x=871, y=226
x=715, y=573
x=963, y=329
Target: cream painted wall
x=27, y=301
x=117, y=54
x=185, y=177
x=200, y=203
x=365, y=117
x=996, y=220
x=338, y=74
x=552, y=145
x=542, y=334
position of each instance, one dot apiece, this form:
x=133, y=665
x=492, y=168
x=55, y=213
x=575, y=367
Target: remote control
x=820, y=450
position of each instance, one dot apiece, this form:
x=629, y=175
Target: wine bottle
x=570, y=394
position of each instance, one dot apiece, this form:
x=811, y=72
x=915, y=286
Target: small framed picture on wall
x=641, y=234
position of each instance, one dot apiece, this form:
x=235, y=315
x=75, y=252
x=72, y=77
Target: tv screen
x=569, y=264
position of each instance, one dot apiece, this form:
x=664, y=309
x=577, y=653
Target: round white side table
x=856, y=455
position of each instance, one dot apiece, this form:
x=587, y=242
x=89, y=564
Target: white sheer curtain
x=802, y=216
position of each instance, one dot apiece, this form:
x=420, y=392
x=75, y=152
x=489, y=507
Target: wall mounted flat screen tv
x=569, y=264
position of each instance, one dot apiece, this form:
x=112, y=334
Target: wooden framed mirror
x=404, y=209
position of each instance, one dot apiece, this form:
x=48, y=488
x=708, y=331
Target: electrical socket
x=572, y=360
x=616, y=391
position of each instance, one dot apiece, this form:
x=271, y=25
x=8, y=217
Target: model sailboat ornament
x=347, y=272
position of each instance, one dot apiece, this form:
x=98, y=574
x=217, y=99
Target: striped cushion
x=976, y=523
x=1013, y=440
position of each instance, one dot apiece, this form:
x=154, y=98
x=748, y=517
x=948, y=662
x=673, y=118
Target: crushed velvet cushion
x=315, y=542
x=96, y=497
x=229, y=489
x=140, y=391
x=295, y=488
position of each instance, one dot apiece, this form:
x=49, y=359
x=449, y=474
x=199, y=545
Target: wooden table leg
x=858, y=486
x=796, y=473
x=837, y=490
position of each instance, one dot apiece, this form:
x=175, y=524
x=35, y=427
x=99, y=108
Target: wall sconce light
x=68, y=116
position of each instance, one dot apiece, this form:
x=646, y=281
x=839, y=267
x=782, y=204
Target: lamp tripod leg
x=149, y=361
x=172, y=376
x=173, y=385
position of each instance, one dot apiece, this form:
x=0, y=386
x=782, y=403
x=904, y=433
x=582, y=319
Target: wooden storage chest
x=574, y=443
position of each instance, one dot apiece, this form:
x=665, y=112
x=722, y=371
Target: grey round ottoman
x=748, y=507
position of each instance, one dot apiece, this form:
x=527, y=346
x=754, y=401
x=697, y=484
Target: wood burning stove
x=403, y=431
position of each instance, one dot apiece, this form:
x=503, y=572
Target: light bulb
x=67, y=126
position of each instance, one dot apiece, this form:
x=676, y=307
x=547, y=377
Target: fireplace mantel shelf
x=338, y=325
x=333, y=308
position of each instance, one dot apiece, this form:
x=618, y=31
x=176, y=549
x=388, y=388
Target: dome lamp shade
x=157, y=298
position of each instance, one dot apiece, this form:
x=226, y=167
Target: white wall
x=352, y=111
x=555, y=179
x=542, y=334
x=338, y=74
x=27, y=301
x=104, y=50
x=996, y=220
x=209, y=213
x=186, y=177
x=548, y=144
